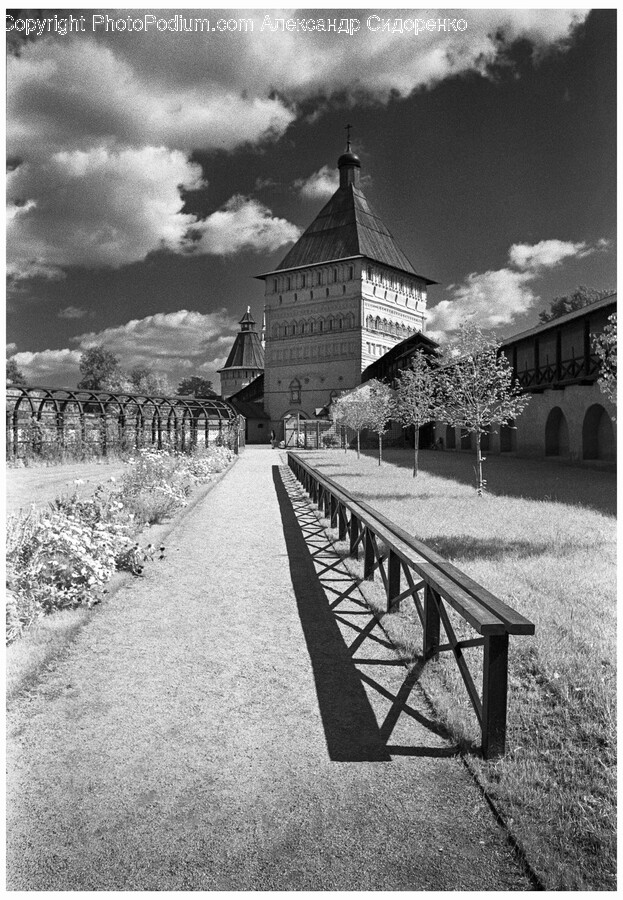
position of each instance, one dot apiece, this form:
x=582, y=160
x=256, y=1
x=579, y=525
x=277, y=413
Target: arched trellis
x=44, y=421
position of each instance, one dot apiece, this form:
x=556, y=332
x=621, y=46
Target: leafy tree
x=352, y=410
x=13, y=374
x=380, y=405
x=196, y=387
x=476, y=389
x=605, y=345
x=582, y=296
x=100, y=370
x=416, y=397
x=147, y=382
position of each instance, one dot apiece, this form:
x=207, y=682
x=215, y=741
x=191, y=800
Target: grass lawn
x=543, y=540
x=42, y=484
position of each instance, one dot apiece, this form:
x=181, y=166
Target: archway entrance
x=597, y=434
x=556, y=434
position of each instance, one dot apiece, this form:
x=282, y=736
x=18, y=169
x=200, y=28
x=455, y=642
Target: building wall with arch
x=576, y=424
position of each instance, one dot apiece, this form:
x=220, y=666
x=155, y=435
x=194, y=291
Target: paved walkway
x=218, y=726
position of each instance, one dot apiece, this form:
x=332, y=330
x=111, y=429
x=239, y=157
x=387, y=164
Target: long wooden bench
x=432, y=582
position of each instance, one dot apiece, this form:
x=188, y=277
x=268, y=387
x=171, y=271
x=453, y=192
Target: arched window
x=335, y=276
x=369, y=273
x=274, y=285
x=294, y=328
x=296, y=296
x=285, y=330
x=319, y=278
x=295, y=391
x=303, y=281
x=311, y=295
x=351, y=272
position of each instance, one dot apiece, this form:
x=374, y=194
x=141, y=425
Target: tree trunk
x=480, y=483
x=416, y=447
x=358, y=445
x=345, y=437
x=380, y=447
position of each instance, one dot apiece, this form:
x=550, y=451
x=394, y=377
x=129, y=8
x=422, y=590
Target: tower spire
x=348, y=128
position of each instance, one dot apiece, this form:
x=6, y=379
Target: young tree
x=352, y=410
x=13, y=374
x=380, y=405
x=476, y=388
x=195, y=387
x=100, y=369
x=416, y=397
x=605, y=345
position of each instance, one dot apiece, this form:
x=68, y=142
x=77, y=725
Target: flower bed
x=62, y=558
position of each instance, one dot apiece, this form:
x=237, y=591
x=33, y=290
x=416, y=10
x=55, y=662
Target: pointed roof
x=346, y=228
x=247, y=351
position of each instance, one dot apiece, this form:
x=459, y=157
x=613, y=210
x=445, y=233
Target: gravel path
x=210, y=730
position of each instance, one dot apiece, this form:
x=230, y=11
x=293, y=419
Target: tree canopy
x=476, y=388
x=100, y=369
x=606, y=349
x=416, y=397
x=196, y=387
x=13, y=374
x=582, y=296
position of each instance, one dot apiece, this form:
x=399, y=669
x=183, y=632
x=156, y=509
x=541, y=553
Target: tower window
x=311, y=295
x=296, y=296
x=351, y=272
x=288, y=284
x=295, y=391
x=335, y=276
x=327, y=290
x=275, y=286
x=303, y=281
x=280, y=299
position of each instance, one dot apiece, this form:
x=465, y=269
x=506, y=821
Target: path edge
x=157, y=534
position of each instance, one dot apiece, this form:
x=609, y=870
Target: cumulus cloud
x=56, y=367
x=547, y=254
x=104, y=124
x=175, y=344
x=80, y=93
x=242, y=224
x=497, y=297
x=98, y=207
x=166, y=341
x=72, y=312
x=319, y=186
x=112, y=207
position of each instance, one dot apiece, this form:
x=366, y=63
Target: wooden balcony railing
x=408, y=568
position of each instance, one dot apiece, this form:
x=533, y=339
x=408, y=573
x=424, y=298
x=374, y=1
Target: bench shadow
x=350, y=726
x=352, y=731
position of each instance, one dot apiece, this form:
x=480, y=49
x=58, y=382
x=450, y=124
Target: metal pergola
x=41, y=420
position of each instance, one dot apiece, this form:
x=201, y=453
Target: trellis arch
x=43, y=420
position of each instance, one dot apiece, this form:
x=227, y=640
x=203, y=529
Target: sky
x=154, y=173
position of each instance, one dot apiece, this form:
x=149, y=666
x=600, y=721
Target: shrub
x=62, y=558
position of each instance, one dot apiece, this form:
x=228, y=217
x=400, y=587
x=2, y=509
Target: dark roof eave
x=561, y=320
x=330, y=262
